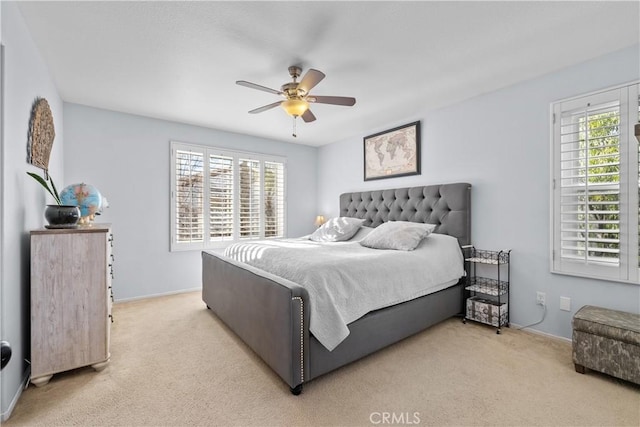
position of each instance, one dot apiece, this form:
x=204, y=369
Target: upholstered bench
x=607, y=341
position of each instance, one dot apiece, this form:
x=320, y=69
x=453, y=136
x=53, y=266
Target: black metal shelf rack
x=487, y=298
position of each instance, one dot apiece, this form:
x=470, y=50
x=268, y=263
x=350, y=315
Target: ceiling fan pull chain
x=294, y=127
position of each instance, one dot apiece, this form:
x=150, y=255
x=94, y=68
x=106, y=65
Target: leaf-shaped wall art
x=41, y=134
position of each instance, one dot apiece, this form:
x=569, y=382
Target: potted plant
x=58, y=215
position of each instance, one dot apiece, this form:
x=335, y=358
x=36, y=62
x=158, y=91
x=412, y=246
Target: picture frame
x=392, y=153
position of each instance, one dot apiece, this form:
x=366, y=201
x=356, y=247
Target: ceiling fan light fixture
x=297, y=95
x=295, y=107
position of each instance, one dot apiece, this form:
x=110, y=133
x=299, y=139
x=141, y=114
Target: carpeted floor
x=174, y=363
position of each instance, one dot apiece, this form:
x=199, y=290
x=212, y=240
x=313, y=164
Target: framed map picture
x=392, y=153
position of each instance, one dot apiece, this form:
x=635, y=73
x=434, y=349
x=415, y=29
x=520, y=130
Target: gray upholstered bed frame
x=271, y=315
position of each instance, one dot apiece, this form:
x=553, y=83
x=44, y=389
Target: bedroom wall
x=127, y=158
x=23, y=200
x=499, y=142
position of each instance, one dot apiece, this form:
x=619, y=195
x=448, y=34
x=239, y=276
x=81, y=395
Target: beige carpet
x=174, y=363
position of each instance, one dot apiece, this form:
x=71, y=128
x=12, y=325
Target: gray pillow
x=337, y=229
x=399, y=235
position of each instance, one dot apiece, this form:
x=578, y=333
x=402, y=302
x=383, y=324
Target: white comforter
x=345, y=280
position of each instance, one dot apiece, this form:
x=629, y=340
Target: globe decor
x=87, y=198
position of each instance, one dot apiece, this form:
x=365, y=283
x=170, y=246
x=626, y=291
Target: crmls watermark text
x=403, y=418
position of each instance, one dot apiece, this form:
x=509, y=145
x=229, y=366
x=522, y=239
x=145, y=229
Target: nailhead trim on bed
x=301, y=338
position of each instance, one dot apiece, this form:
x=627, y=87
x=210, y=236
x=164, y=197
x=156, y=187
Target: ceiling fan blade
x=265, y=108
x=312, y=78
x=308, y=116
x=255, y=86
x=335, y=100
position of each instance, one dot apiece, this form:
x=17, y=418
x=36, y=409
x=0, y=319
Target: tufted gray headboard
x=447, y=205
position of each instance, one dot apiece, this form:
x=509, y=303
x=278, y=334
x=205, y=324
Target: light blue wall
x=127, y=158
x=23, y=200
x=499, y=142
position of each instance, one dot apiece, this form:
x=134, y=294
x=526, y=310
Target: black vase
x=62, y=215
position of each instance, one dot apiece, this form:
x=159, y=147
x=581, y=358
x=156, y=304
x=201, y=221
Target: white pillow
x=399, y=235
x=337, y=229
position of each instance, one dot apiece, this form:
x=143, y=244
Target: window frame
x=207, y=151
x=628, y=270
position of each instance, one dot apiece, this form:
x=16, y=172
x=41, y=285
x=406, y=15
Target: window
x=596, y=184
x=221, y=196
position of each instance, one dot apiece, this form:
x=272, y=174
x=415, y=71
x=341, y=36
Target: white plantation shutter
x=250, y=206
x=189, y=196
x=637, y=152
x=221, y=212
x=595, y=229
x=590, y=183
x=274, y=199
x=221, y=196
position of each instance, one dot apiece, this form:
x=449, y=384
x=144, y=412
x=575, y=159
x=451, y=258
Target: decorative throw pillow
x=337, y=229
x=399, y=235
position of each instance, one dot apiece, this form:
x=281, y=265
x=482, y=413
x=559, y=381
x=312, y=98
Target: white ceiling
x=179, y=60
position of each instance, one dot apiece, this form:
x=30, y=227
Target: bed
x=272, y=314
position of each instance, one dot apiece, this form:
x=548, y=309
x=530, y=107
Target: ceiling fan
x=297, y=97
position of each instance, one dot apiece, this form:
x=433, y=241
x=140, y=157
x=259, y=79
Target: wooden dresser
x=71, y=273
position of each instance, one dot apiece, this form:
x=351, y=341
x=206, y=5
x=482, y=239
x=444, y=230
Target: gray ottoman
x=607, y=341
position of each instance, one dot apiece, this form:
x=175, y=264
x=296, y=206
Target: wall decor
x=41, y=134
x=392, y=153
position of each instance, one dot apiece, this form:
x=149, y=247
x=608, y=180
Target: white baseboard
x=23, y=385
x=182, y=291
x=535, y=331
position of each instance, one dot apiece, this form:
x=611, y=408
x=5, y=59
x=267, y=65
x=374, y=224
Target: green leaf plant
x=45, y=183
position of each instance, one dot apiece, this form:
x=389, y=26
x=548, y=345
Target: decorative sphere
x=84, y=196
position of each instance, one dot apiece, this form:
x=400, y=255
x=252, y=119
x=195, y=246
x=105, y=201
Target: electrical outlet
x=541, y=298
x=565, y=303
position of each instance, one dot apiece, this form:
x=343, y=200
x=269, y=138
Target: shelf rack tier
x=488, y=257
x=487, y=286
